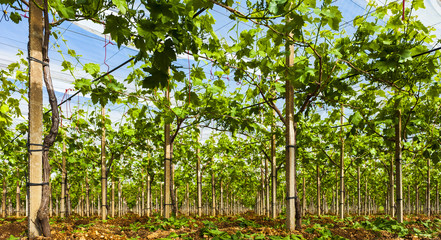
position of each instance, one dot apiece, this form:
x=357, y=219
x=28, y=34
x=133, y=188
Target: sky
x=93, y=46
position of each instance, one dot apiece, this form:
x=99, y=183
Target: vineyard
x=207, y=119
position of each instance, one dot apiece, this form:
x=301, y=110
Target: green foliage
x=384, y=224
x=12, y=237
x=246, y=223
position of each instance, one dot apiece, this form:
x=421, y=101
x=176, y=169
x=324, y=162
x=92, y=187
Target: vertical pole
x=143, y=210
x=213, y=195
x=290, y=145
x=119, y=198
x=398, y=168
x=81, y=204
x=113, y=197
x=87, y=197
x=366, y=196
x=333, y=201
x=436, y=199
x=342, y=173
x=4, y=199
x=63, y=180
x=358, y=191
x=103, y=169
x=187, y=199
x=149, y=197
x=417, y=200
x=267, y=189
x=273, y=172
x=68, y=201
x=409, y=206
x=428, y=207
x=391, y=189
x=167, y=166
x=17, y=196
x=262, y=191
x=304, y=197
x=221, y=206
x=35, y=114
x=318, y=190
x=199, y=182
x=162, y=199
x=176, y=200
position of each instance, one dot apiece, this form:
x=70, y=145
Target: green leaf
x=405, y=55
x=356, y=118
x=121, y=5
x=12, y=237
x=280, y=87
x=92, y=68
x=129, y=132
x=83, y=85
x=118, y=28
x=276, y=6
x=173, y=235
x=15, y=17
x=215, y=232
x=65, y=11
x=157, y=78
x=4, y=108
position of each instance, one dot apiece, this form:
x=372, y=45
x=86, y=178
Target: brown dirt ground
x=132, y=226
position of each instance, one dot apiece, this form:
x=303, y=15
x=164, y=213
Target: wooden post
x=119, y=199
x=167, y=166
x=358, y=191
x=391, y=188
x=149, y=199
x=304, y=197
x=4, y=198
x=437, y=199
x=290, y=145
x=428, y=205
x=318, y=190
x=366, y=196
x=187, y=199
x=81, y=203
x=221, y=206
x=199, y=182
x=409, y=206
x=342, y=164
x=87, y=197
x=176, y=201
x=17, y=196
x=162, y=200
x=35, y=114
x=417, y=200
x=113, y=197
x=68, y=201
x=213, y=195
x=143, y=192
x=273, y=173
x=267, y=189
x=57, y=208
x=262, y=191
x=103, y=168
x=399, y=182
x=333, y=208
x=63, y=180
